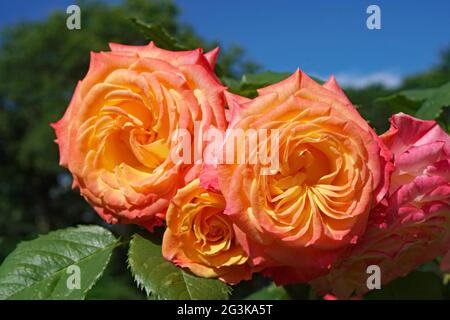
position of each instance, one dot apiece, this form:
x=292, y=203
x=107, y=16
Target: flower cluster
x=339, y=199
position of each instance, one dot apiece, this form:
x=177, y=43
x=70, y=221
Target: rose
x=413, y=238
x=116, y=137
x=333, y=171
x=200, y=237
x=414, y=226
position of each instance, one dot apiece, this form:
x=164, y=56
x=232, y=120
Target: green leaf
x=418, y=94
x=416, y=285
x=163, y=280
x=432, y=266
x=444, y=119
x=399, y=102
x=251, y=82
x=259, y=80
x=434, y=104
x=270, y=292
x=423, y=103
x=41, y=268
x=232, y=84
x=156, y=33
x=300, y=291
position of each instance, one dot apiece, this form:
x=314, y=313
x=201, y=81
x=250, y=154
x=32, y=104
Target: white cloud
x=358, y=80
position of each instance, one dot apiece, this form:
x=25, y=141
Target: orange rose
x=116, y=135
x=333, y=169
x=200, y=237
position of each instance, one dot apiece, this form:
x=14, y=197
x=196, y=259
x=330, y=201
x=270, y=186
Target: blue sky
x=320, y=37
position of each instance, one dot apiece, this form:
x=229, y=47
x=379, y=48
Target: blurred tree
x=234, y=64
x=435, y=77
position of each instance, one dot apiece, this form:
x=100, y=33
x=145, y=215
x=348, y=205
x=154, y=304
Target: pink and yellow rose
x=200, y=237
x=333, y=170
x=116, y=135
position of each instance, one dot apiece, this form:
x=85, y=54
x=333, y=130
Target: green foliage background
x=40, y=64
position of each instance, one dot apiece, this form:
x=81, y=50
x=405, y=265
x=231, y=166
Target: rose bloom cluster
x=342, y=199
